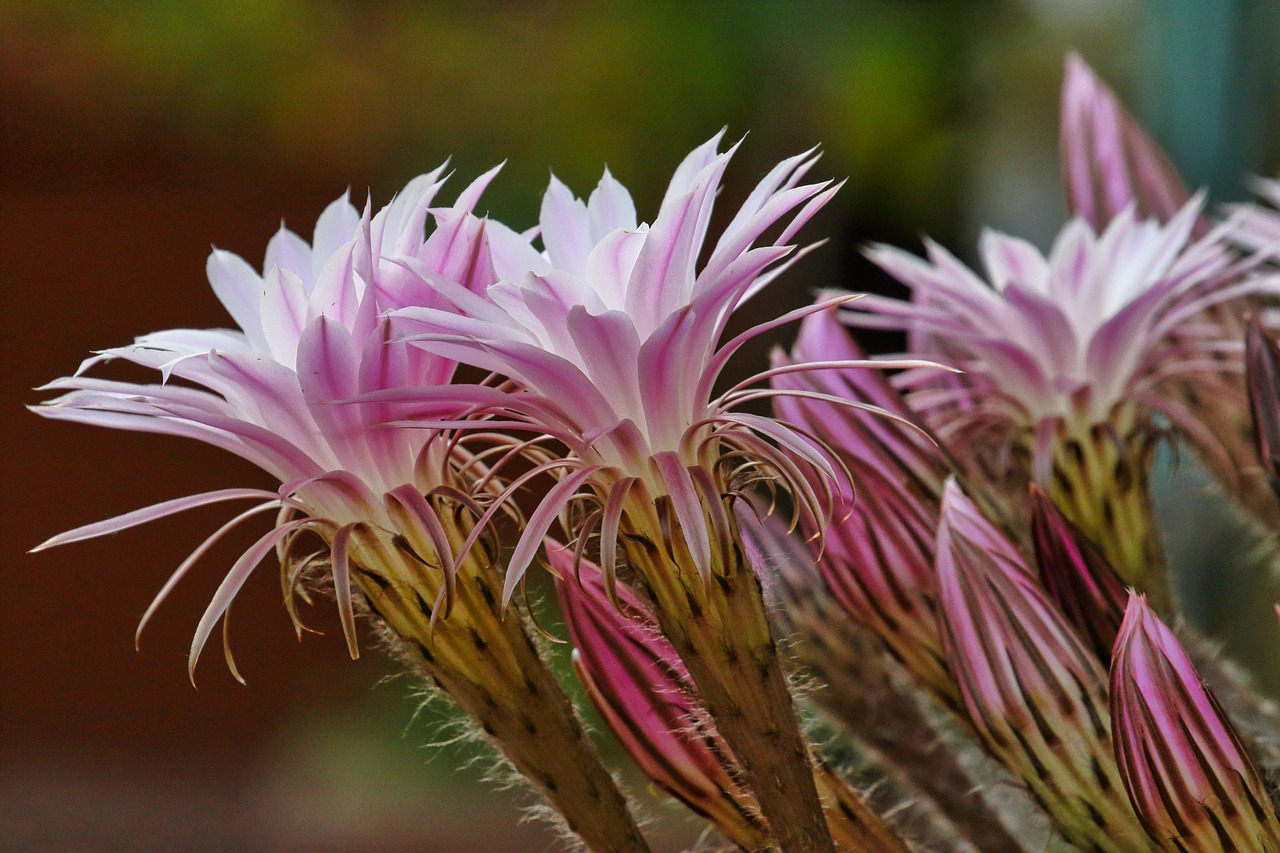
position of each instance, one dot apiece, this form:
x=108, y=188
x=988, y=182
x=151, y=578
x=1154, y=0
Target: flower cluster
x=971, y=561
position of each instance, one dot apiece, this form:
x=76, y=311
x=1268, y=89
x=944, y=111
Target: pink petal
x=151, y=513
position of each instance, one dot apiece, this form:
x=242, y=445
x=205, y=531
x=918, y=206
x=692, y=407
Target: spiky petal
x=612, y=340
x=1076, y=575
x=273, y=391
x=1190, y=779
x=1108, y=161
x=613, y=332
x=1033, y=690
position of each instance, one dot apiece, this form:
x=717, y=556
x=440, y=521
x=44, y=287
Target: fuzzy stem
x=903, y=743
x=720, y=631
x=889, y=725
x=489, y=666
x=855, y=826
x=1100, y=481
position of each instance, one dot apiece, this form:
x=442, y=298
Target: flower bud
x=1032, y=689
x=1188, y=776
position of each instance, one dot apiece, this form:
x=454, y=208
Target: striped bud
x=1188, y=776
x=643, y=691
x=1076, y=575
x=1034, y=692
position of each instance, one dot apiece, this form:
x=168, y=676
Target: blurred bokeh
x=137, y=133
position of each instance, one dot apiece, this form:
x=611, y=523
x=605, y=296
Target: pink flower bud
x=1187, y=774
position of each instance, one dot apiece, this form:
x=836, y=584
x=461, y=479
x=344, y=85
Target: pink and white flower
x=1110, y=164
x=1075, y=361
x=1104, y=318
x=612, y=335
x=611, y=338
x=311, y=335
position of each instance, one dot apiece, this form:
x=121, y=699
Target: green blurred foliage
x=384, y=90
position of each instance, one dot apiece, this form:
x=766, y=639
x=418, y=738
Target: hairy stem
x=855, y=826
x=944, y=806
x=720, y=631
x=489, y=666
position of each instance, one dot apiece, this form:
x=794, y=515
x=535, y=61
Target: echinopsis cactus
x=967, y=542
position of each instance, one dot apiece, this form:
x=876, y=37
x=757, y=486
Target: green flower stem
x=1101, y=478
x=488, y=665
x=720, y=631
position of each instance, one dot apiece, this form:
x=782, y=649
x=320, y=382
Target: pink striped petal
x=536, y=528
x=1108, y=162
x=151, y=513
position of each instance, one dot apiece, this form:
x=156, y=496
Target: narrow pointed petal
x=610, y=208
x=151, y=513
x=1108, y=161
x=1188, y=775
x=536, y=528
x=231, y=584
x=340, y=557
x=186, y=565
x=239, y=289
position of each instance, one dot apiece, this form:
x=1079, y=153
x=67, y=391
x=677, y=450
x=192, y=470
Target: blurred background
x=135, y=134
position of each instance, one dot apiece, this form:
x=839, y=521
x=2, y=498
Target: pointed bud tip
x=1187, y=774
